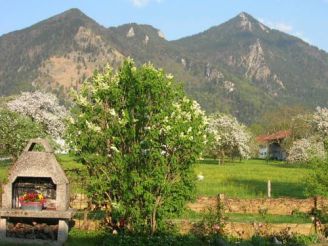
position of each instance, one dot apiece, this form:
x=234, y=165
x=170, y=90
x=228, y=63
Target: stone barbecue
x=38, y=171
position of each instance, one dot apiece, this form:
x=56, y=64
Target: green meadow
x=248, y=179
x=245, y=179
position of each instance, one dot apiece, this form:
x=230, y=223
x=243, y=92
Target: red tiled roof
x=274, y=136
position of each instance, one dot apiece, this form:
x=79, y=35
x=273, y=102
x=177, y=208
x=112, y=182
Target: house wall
x=263, y=152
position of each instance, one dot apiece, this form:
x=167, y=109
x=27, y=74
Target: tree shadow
x=289, y=165
x=278, y=188
x=227, y=162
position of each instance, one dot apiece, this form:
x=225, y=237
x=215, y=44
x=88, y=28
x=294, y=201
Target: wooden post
x=269, y=189
x=221, y=197
x=315, y=221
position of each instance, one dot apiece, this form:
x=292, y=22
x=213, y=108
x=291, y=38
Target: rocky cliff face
x=245, y=23
x=257, y=69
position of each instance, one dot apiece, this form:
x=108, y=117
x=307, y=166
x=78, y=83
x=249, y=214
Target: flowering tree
x=138, y=135
x=15, y=131
x=229, y=137
x=320, y=121
x=303, y=150
x=42, y=108
x=317, y=181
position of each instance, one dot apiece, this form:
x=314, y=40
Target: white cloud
x=281, y=26
x=302, y=36
x=285, y=27
x=142, y=3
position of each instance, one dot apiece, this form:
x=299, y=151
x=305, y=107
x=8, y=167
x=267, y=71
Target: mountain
x=242, y=66
x=283, y=68
x=55, y=54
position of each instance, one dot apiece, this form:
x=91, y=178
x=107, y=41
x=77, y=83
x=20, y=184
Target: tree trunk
x=153, y=221
x=222, y=157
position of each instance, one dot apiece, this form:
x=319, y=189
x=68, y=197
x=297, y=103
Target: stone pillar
x=3, y=228
x=62, y=231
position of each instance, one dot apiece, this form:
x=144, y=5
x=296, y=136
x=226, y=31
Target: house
x=270, y=146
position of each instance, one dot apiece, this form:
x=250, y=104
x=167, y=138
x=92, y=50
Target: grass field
x=299, y=218
x=248, y=179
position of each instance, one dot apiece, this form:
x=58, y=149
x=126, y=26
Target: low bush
x=82, y=238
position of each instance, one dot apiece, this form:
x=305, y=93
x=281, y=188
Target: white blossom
x=230, y=137
x=93, y=127
x=114, y=148
x=303, y=150
x=112, y=112
x=43, y=108
x=320, y=120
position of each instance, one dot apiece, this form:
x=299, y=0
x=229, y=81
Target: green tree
x=138, y=135
x=317, y=181
x=15, y=131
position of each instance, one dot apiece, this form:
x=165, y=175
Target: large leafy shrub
x=138, y=135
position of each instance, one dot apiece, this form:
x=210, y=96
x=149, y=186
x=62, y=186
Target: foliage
x=295, y=118
x=4, y=167
x=317, y=180
x=213, y=221
x=320, y=122
x=15, y=131
x=42, y=108
x=138, y=135
x=87, y=238
x=304, y=150
x=229, y=137
x=292, y=239
x=321, y=219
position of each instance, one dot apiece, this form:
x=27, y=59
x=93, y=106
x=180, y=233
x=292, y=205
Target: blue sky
x=307, y=19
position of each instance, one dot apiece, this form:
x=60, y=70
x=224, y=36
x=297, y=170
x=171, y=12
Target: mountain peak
x=242, y=14
x=245, y=15
x=69, y=20
x=71, y=15
x=72, y=12
x=247, y=22
x=139, y=31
